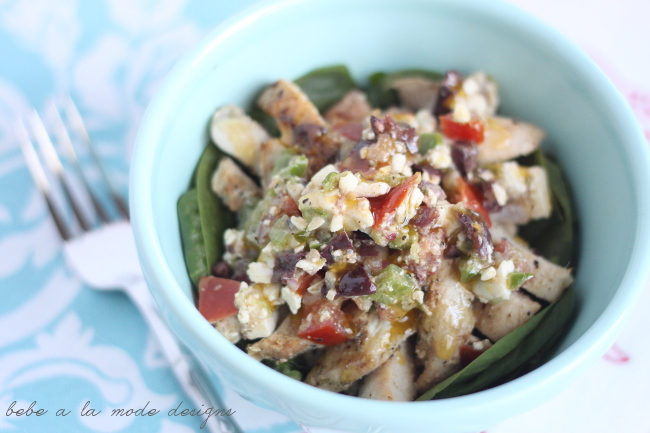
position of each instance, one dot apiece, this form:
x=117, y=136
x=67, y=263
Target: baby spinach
x=326, y=86
x=518, y=352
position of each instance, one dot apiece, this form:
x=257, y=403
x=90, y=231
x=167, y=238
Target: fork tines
x=34, y=128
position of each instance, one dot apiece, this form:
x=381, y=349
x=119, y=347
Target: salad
x=395, y=241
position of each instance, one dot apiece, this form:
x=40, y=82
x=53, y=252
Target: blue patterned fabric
x=63, y=344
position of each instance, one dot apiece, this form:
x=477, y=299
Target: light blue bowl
x=544, y=79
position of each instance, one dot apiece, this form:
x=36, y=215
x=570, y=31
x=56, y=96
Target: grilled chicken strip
x=395, y=379
x=344, y=364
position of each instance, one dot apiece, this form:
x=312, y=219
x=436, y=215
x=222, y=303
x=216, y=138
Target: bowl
x=544, y=78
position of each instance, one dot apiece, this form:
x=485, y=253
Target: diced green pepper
x=280, y=233
x=290, y=164
x=331, y=181
x=517, y=279
x=395, y=288
x=470, y=267
x=429, y=141
x=405, y=238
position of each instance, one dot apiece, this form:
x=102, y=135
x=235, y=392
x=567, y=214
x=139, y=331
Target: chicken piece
x=549, y=281
x=283, y=344
x=353, y=108
x=238, y=135
x=229, y=328
x=506, y=139
x=447, y=325
x=416, y=93
x=496, y=320
x=233, y=186
x=394, y=380
x=342, y=365
x=290, y=107
x=270, y=151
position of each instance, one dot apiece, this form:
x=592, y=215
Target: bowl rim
x=533, y=387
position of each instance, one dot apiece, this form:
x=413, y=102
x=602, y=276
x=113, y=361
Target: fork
x=103, y=253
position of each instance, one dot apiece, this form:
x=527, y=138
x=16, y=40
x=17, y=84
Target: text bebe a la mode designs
x=32, y=410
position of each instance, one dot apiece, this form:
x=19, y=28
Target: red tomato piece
x=324, y=323
x=474, y=130
x=217, y=298
x=383, y=205
x=473, y=199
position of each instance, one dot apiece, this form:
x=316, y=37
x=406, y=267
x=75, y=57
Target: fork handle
x=187, y=370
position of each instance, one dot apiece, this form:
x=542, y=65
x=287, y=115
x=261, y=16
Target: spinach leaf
x=553, y=238
x=192, y=236
x=326, y=86
x=517, y=353
x=380, y=91
x=214, y=215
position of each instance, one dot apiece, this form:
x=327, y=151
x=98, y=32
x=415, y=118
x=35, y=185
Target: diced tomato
x=473, y=199
x=324, y=323
x=474, y=130
x=217, y=298
x=469, y=354
x=383, y=205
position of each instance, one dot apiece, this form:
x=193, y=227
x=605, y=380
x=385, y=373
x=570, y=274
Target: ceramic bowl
x=544, y=78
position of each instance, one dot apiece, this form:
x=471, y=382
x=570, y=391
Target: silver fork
x=103, y=254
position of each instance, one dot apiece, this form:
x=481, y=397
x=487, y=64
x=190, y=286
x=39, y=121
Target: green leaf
x=192, y=236
x=215, y=216
x=380, y=92
x=554, y=237
x=326, y=86
x=518, y=352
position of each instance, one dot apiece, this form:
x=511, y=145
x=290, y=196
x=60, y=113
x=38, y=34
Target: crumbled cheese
x=440, y=156
x=272, y=293
x=425, y=121
x=461, y=113
x=512, y=178
x=299, y=222
x=317, y=179
x=316, y=287
x=292, y=298
x=505, y=268
x=398, y=162
x=259, y=272
x=315, y=223
x=371, y=189
x=500, y=194
x=418, y=296
x=359, y=216
x=348, y=183
x=495, y=289
x=337, y=223
x=331, y=294
x=488, y=273
x=295, y=190
x=312, y=263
